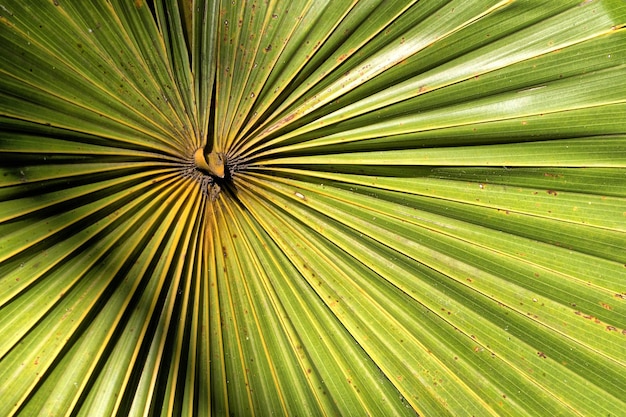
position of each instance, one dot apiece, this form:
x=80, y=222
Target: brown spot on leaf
x=552, y=192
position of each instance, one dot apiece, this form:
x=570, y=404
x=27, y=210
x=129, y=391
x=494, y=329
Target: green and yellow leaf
x=313, y=207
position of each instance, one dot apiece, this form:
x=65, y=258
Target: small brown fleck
x=541, y=355
x=552, y=192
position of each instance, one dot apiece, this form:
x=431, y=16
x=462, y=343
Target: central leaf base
x=212, y=163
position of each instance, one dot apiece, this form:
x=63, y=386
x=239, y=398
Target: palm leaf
x=422, y=210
